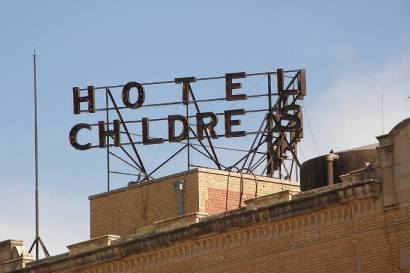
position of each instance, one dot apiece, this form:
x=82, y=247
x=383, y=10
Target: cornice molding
x=312, y=210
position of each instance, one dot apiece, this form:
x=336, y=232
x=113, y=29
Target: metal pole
x=382, y=113
x=296, y=167
x=108, y=140
x=188, y=142
x=270, y=137
x=36, y=152
x=37, y=241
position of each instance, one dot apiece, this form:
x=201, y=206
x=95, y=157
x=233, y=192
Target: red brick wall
x=219, y=200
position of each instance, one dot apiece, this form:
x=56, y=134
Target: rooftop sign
x=280, y=124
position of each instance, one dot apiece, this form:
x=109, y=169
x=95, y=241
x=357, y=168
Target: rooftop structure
x=205, y=220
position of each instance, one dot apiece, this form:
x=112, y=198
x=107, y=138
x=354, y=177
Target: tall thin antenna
x=383, y=113
x=37, y=240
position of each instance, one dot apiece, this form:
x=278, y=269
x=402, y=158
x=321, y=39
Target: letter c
x=73, y=136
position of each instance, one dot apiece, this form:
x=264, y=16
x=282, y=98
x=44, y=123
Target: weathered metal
x=146, y=139
x=229, y=123
x=231, y=85
x=185, y=87
x=104, y=132
x=280, y=129
x=90, y=98
x=141, y=164
x=73, y=136
x=214, y=156
x=126, y=95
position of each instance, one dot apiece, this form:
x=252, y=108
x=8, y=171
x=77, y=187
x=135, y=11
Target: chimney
x=330, y=158
x=179, y=188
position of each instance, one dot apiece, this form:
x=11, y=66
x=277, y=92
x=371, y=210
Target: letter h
x=90, y=98
x=104, y=134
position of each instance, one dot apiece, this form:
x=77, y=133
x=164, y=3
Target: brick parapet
x=288, y=225
x=129, y=210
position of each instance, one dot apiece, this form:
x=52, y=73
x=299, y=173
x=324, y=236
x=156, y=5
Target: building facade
x=223, y=222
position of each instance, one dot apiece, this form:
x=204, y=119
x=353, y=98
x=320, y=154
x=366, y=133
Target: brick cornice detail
x=233, y=229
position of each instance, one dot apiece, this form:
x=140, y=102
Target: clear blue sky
x=353, y=51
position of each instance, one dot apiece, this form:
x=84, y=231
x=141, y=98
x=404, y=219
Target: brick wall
x=356, y=236
x=220, y=188
x=221, y=200
x=122, y=211
x=351, y=227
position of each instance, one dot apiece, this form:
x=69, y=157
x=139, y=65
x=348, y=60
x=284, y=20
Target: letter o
x=126, y=95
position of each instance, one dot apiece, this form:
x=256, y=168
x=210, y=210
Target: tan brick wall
x=122, y=211
x=356, y=237
x=402, y=163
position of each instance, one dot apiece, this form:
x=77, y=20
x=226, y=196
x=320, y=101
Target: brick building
x=214, y=221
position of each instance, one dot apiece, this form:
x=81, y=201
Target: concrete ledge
x=170, y=224
x=15, y=264
x=270, y=199
x=144, y=230
x=178, y=222
x=368, y=186
x=92, y=244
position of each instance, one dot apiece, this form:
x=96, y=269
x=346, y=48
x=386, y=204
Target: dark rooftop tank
x=313, y=173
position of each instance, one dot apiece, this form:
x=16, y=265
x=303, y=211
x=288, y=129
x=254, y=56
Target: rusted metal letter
x=73, y=136
x=296, y=127
x=77, y=99
x=280, y=81
x=185, y=87
x=229, y=122
x=302, y=83
x=146, y=140
x=126, y=95
x=171, y=128
x=231, y=85
x=115, y=133
x=201, y=126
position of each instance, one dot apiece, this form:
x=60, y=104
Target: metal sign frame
x=273, y=144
